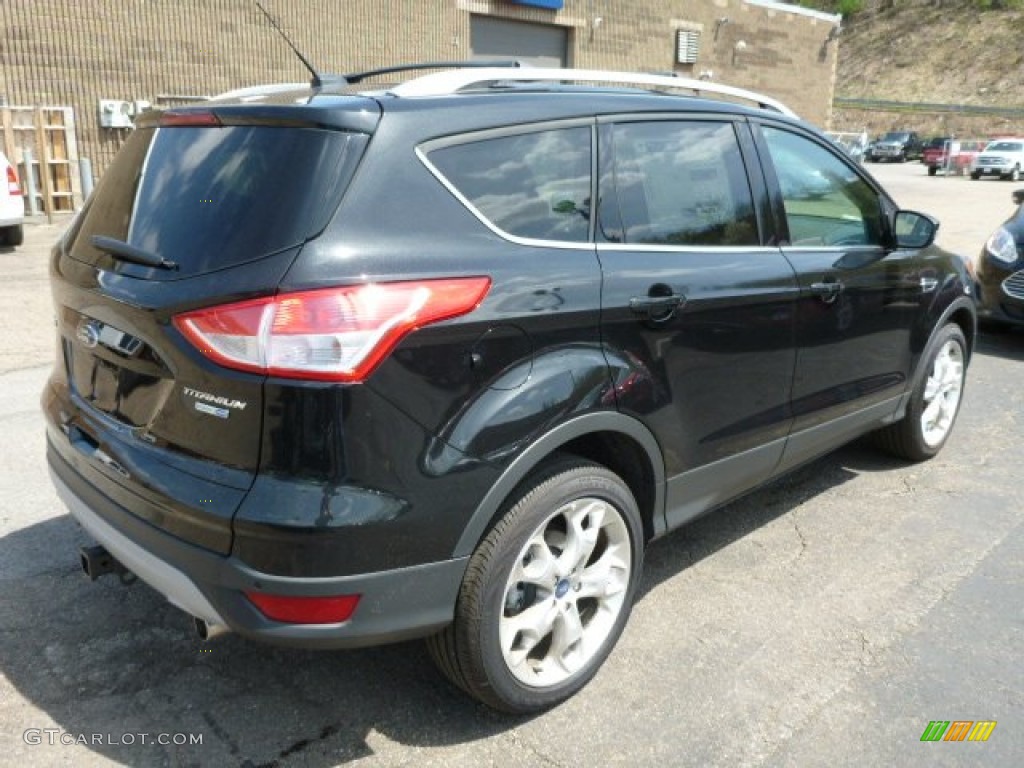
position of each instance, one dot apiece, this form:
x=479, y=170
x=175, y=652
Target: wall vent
x=687, y=45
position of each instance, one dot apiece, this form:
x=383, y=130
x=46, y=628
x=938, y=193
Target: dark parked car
x=999, y=271
x=898, y=146
x=342, y=367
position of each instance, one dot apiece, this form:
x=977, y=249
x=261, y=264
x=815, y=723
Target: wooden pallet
x=49, y=132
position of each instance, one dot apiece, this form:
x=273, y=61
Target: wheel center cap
x=561, y=588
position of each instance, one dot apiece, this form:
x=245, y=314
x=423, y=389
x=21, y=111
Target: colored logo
x=958, y=730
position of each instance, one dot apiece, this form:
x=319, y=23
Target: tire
x=932, y=170
x=12, y=235
x=527, y=633
x=935, y=401
x=975, y=176
x=1015, y=173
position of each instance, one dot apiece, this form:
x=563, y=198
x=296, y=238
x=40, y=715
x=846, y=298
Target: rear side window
x=533, y=185
x=678, y=183
x=213, y=197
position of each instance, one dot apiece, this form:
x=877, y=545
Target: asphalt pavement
x=824, y=620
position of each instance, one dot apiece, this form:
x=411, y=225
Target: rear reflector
x=12, y=182
x=292, y=609
x=334, y=334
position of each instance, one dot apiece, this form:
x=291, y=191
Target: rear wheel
x=934, y=403
x=932, y=170
x=547, y=592
x=975, y=175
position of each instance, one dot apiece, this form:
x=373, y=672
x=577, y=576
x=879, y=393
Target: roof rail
x=446, y=83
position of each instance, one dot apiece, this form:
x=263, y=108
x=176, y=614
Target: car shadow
x=1006, y=342
x=703, y=537
x=103, y=661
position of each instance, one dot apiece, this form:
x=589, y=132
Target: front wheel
x=1015, y=174
x=547, y=593
x=934, y=403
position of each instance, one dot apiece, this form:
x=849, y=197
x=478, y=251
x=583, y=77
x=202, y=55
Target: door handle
x=657, y=308
x=828, y=291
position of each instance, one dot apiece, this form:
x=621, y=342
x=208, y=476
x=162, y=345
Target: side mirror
x=914, y=230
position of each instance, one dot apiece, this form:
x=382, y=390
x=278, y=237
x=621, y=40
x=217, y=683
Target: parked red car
x=951, y=155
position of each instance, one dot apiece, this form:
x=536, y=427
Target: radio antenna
x=316, y=81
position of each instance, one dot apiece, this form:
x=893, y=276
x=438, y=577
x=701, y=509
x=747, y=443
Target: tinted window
x=827, y=202
x=679, y=183
x=534, y=185
x=1004, y=146
x=210, y=198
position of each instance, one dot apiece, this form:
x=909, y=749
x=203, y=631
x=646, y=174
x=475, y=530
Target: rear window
x=214, y=197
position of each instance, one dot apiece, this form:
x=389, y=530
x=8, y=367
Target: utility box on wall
x=115, y=114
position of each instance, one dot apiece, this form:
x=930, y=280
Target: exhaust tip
x=206, y=630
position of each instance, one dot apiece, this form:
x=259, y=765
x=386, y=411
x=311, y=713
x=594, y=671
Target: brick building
x=74, y=53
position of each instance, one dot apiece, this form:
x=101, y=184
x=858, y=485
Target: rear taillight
x=331, y=609
x=332, y=334
x=13, y=189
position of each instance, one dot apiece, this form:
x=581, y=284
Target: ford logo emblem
x=88, y=333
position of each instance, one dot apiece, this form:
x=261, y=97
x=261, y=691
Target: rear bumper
x=395, y=605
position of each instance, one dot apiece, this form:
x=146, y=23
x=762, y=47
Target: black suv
x=338, y=368
x=897, y=145
x=999, y=271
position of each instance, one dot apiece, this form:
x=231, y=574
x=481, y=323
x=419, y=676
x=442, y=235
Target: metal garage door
x=539, y=44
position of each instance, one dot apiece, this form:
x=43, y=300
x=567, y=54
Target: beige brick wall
x=75, y=52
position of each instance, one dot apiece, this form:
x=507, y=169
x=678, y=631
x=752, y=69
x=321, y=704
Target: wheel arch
x=962, y=312
x=618, y=442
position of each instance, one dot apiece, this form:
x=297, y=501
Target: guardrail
x=882, y=105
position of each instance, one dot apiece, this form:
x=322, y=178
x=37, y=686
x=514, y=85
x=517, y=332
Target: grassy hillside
x=938, y=51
